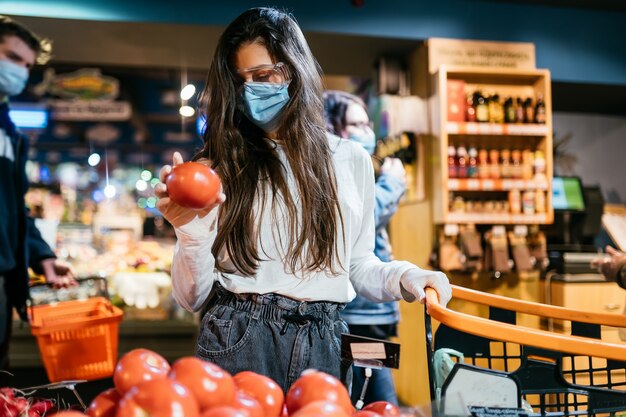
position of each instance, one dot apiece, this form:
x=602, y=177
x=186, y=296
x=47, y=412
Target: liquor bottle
x=505, y=163
x=482, y=110
x=494, y=162
x=472, y=164
x=540, y=110
x=452, y=172
x=519, y=111
x=496, y=112
x=470, y=109
x=461, y=158
x=509, y=110
x=529, y=111
x=484, y=171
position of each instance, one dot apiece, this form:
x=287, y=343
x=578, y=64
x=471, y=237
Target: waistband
x=275, y=306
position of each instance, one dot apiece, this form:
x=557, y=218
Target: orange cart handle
x=537, y=309
x=521, y=335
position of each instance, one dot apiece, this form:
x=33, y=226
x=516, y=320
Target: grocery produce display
x=146, y=385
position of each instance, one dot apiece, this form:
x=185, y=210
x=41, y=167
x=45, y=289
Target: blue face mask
x=13, y=78
x=264, y=102
x=366, y=139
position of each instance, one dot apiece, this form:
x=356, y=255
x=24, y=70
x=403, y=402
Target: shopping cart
x=77, y=338
x=554, y=373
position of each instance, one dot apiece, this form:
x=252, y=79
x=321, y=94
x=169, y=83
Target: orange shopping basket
x=555, y=374
x=77, y=339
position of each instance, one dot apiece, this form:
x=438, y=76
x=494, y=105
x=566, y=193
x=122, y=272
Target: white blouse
x=193, y=268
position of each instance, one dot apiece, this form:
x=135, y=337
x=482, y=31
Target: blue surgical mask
x=13, y=78
x=366, y=139
x=263, y=103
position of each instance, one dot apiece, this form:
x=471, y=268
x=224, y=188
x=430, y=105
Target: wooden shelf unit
x=513, y=83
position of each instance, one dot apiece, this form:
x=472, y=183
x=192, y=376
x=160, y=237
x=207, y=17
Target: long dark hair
x=249, y=165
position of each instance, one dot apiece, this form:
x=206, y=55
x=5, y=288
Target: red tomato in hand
x=317, y=386
x=321, y=409
x=105, y=404
x=384, y=408
x=225, y=411
x=366, y=413
x=137, y=366
x=69, y=414
x=263, y=389
x=248, y=404
x=158, y=398
x=211, y=385
x=193, y=185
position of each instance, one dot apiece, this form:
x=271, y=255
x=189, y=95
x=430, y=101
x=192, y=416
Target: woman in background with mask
x=291, y=237
x=346, y=117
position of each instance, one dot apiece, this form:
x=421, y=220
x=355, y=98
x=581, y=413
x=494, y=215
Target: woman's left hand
x=414, y=281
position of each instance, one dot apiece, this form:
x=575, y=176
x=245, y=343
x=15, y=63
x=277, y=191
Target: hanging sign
x=84, y=84
x=97, y=110
x=479, y=54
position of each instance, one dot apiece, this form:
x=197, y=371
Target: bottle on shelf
x=505, y=163
x=528, y=163
x=519, y=111
x=515, y=201
x=472, y=164
x=540, y=201
x=496, y=112
x=494, y=163
x=540, y=165
x=516, y=164
x=529, y=111
x=452, y=171
x=470, y=109
x=509, y=110
x=528, y=202
x=540, y=110
x=484, y=171
x=482, y=109
x=461, y=165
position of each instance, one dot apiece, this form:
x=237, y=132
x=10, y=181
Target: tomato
x=248, y=404
x=366, y=413
x=158, y=398
x=69, y=414
x=225, y=411
x=137, y=366
x=105, y=404
x=193, y=185
x=321, y=409
x=211, y=385
x=263, y=389
x=384, y=408
x=317, y=386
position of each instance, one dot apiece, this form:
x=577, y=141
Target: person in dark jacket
x=346, y=116
x=21, y=244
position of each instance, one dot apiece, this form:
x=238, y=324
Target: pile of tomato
x=146, y=385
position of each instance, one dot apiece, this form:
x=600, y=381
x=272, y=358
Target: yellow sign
x=480, y=54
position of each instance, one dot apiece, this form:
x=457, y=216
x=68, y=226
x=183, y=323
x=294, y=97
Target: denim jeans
x=272, y=335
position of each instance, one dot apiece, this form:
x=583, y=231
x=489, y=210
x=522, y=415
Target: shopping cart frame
x=541, y=352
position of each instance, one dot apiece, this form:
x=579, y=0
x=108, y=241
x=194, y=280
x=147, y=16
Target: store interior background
x=580, y=42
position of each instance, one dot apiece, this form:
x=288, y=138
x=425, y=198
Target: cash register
x=577, y=222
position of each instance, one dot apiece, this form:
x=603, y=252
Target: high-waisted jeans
x=272, y=335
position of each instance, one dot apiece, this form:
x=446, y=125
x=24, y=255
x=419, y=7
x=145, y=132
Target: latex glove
x=415, y=280
x=140, y=289
x=58, y=273
x=393, y=167
x=611, y=264
x=178, y=216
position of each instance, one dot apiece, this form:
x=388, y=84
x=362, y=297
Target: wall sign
x=96, y=110
x=479, y=54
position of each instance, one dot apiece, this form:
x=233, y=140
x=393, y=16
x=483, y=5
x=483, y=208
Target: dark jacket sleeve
x=621, y=275
x=38, y=249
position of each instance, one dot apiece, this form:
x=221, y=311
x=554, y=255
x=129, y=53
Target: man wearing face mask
x=21, y=244
x=346, y=117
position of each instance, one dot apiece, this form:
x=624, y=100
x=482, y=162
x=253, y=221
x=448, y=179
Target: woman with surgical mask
x=290, y=239
x=346, y=116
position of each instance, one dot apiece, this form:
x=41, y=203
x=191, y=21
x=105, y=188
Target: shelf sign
x=479, y=54
x=92, y=110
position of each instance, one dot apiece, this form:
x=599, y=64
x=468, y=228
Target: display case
x=493, y=146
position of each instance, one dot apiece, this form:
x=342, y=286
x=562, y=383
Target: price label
x=473, y=184
x=520, y=230
x=488, y=185
x=453, y=185
x=497, y=412
x=451, y=229
x=498, y=230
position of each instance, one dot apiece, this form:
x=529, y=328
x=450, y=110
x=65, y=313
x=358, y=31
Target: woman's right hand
x=179, y=216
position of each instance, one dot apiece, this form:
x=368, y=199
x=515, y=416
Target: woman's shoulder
x=344, y=150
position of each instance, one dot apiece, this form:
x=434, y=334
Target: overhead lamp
x=186, y=111
x=94, y=159
x=187, y=92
